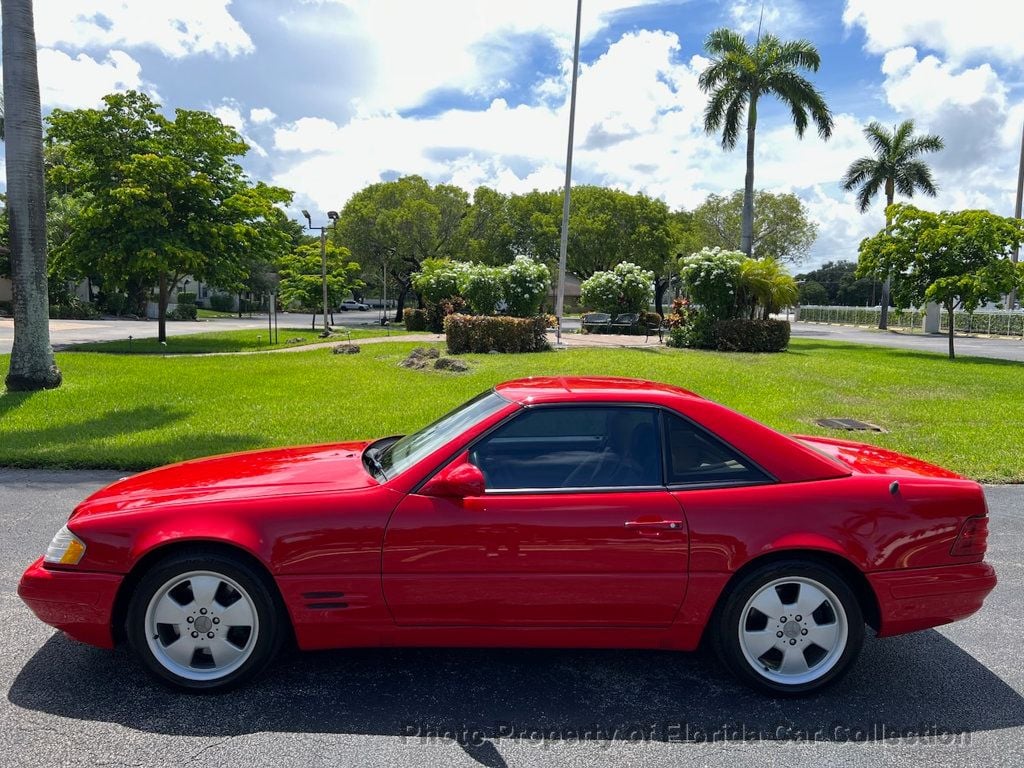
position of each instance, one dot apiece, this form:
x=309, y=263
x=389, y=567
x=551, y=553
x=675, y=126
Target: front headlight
x=65, y=549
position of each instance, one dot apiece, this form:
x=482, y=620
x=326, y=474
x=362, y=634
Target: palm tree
x=32, y=366
x=767, y=285
x=736, y=79
x=896, y=167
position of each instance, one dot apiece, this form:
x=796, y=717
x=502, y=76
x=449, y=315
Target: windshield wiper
x=373, y=456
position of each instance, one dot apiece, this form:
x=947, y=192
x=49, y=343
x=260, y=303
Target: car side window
x=696, y=456
x=557, y=447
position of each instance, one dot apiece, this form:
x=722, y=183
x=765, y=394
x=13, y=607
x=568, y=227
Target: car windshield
x=403, y=453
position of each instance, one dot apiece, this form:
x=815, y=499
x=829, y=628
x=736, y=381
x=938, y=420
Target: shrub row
x=415, y=319
x=751, y=335
x=486, y=333
x=74, y=309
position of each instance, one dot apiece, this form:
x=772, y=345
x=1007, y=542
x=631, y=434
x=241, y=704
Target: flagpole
x=563, y=245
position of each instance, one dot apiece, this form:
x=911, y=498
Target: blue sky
x=335, y=94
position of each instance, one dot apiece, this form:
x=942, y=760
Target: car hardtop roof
x=562, y=388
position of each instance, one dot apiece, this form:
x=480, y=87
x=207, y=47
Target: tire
x=204, y=621
x=789, y=628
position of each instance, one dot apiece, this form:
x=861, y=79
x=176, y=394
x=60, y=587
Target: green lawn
x=212, y=313
x=225, y=341
x=137, y=412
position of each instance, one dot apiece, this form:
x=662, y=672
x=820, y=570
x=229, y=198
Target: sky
x=332, y=95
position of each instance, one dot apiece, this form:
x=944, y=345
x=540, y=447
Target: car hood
x=237, y=476
x=871, y=460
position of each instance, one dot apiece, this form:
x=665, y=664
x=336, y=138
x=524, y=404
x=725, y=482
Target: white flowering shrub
x=484, y=288
x=525, y=283
x=440, y=279
x=713, y=277
x=625, y=288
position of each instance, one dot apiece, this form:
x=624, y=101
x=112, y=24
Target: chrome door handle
x=668, y=525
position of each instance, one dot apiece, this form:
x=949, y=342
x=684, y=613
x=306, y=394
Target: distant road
x=973, y=346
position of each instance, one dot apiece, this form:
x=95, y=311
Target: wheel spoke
x=238, y=614
x=223, y=652
x=203, y=589
x=793, y=661
x=181, y=650
x=823, y=635
x=809, y=600
x=768, y=603
x=758, y=643
x=169, y=612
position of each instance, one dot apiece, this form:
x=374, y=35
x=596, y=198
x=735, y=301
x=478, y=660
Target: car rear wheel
x=790, y=628
x=207, y=622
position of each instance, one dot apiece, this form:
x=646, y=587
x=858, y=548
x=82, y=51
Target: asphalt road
x=69, y=704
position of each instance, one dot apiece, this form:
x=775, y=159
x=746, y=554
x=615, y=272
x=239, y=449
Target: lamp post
x=333, y=216
x=1017, y=212
x=563, y=245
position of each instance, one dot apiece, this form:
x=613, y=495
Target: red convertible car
x=586, y=512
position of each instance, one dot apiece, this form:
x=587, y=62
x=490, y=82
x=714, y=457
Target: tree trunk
x=161, y=310
x=32, y=365
x=952, y=329
x=400, y=303
x=883, y=317
x=747, y=233
x=660, y=286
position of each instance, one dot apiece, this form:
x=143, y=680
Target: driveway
x=947, y=697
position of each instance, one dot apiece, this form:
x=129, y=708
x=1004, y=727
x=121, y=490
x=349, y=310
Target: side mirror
x=456, y=481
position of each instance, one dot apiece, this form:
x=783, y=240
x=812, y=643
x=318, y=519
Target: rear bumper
x=918, y=598
x=79, y=603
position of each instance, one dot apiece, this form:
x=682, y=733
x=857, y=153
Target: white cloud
x=82, y=81
x=230, y=114
x=781, y=17
x=413, y=49
x=175, y=29
x=959, y=30
x=261, y=115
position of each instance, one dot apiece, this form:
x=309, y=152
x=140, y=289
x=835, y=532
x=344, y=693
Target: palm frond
x=802, y=97
x=868, y=191
x=799, y=53
x=731, y=124
x=914, y=176
x=715, y=111
x=723, y=41
x=879, y=137
x=860, y=170
x=921, y=144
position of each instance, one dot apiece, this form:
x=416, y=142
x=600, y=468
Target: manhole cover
x=850, y=425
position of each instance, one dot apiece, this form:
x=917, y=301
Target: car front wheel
x=790, y=628
x=206, y=622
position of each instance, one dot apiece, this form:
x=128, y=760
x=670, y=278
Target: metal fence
x=993, y=323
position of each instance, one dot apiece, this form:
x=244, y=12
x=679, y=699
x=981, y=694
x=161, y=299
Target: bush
x=482, y=333
x=436, y=313
x=440, y=279
x=186, y=297
x=113, y=303
x=712, y=278
x=222, y=302
x=751, y=335
x=74, y=309
x=526, y=282
x=415, y=319
x=183, y=311
x=483, y=288
x=624, y=288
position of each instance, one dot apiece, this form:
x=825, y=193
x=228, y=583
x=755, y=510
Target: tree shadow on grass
x=921, y=683
x=80, y=443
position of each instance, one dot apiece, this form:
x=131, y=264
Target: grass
x=212, y=313
x=148, y=410
x=225, y=341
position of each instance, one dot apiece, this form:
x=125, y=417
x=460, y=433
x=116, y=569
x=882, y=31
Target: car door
x=575, y=528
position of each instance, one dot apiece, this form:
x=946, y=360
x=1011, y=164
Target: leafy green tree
x=813, y=293
x=32, y=365
x=738, y=76
x=161, y=198
x=956, y=259
x=625, y=288
x=841, y=284
x=895, y=167
x=487, y=229
x=302, y=277
x=782, y=228
x=395, y=225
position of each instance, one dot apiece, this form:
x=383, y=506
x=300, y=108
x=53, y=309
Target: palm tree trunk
x=883, y=318
x=747, y=232
x=32, y=365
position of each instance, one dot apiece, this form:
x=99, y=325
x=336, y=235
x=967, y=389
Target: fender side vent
x=322, y=595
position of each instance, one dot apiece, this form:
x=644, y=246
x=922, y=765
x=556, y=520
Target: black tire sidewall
x=726, y=636
x=268, y=639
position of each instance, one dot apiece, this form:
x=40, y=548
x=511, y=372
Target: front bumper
x=80, y=603
x=918, y=598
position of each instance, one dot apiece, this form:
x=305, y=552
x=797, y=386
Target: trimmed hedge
x=415, y=319
x=751, y=335
x=486, y=333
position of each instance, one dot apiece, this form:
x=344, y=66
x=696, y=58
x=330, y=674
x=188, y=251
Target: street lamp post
x=563, y=245
x=333, y=216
